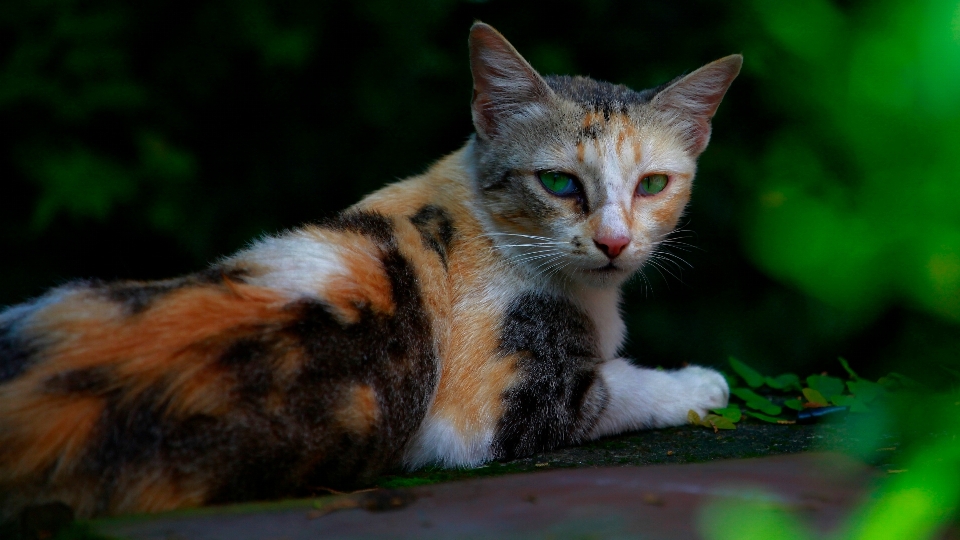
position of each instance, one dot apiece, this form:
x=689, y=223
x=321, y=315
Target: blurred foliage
x=858, y=194
x=142, y=140
x=918, y=498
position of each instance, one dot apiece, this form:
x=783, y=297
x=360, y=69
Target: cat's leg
x=648, y=398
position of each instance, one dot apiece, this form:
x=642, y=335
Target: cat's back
x=306, y=361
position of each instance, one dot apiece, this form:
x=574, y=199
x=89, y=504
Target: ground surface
x=604, y=489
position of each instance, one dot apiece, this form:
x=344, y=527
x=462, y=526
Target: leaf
x=855, y=404
x=753, y=378
x=787, y=381
x=755, y=401
x=719, y=422
x=866, y=391
x=765, y=418
x=825, y=384
x=731, y=412
x=815, y=397
x=732, y=380
x=846, y=367
x=794, y=404
x=694, y=418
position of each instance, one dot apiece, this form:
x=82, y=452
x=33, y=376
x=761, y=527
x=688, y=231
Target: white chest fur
x=603, y=308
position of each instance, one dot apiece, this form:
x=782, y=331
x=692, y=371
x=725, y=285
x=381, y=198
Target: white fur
x=297, y=264
x=438, y=441
x=648, y=398
x=603, y=307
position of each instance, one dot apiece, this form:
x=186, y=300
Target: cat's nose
x=612, y=246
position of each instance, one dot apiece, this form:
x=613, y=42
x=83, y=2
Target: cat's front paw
x=703, y=388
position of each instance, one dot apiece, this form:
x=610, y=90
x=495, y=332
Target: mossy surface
x=684, y=444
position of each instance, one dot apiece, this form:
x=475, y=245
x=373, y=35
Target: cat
x=467, y=314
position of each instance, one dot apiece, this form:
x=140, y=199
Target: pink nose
x=612, y=246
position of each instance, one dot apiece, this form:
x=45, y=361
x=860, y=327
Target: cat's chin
x=610, y=275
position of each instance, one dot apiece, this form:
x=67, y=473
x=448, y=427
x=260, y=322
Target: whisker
x=520, y=235
x=657, y=268
x=673, y=257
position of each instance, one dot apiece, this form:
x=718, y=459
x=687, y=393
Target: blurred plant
x=857, y=193
x=916, y=503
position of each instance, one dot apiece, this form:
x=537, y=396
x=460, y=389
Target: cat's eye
x=558, y=183
x=653, y=184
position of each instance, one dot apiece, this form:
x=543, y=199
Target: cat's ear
x=695, y=98
x=504, y=84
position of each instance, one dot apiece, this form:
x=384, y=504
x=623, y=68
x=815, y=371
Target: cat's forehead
x=599, y=96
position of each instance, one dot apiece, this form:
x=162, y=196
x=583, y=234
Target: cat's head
x=582, y=180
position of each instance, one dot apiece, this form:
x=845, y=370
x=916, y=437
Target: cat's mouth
x=608, y=269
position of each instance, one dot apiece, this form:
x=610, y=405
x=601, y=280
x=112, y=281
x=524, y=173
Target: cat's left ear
x=504, y=84
x=696, y=97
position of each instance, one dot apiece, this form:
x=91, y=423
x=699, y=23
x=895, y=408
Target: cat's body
x=464, y=315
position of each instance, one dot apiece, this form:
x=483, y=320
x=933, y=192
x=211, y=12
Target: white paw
x=702, y=388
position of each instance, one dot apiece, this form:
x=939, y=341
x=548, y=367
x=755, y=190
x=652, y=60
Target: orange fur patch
x=363, y=284
x=174, y=345
x=361, y=412
x=155, y=491
x=43, y=430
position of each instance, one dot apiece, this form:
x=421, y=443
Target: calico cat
x=464, y=315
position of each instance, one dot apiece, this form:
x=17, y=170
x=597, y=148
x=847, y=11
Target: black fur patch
x=94, y=380
x=15, y=354
x=371, y=224
x=250, y=359
x=138, y=296
x=436, y=230
x=558, y=357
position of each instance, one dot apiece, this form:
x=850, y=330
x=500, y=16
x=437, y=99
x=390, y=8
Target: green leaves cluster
x=820, y=390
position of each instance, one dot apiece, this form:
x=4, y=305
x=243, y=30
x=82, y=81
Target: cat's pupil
x=653, y=184
x=558, y=183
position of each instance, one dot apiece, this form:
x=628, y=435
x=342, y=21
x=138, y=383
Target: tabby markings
x=557, y=356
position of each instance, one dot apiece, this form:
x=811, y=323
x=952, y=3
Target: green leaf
x=866, y=391
x=846, y=367
x=765, y=418
x=731, y=412
x=753, y=378
x=787, y=381
x=755, y=401
x=825, y=384
x=794, y=404
x=719, y=422
x=732, y=380
x=815, y=397
x=694, y=418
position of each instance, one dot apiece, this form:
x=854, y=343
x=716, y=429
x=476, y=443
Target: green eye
x=653, y=184
x=558, y=183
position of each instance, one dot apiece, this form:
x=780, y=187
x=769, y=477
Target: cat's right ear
x=504, y=84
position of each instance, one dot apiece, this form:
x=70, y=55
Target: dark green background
x=145, y=139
